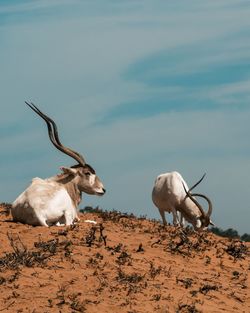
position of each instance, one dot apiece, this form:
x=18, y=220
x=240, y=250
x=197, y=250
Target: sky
x=139, y=88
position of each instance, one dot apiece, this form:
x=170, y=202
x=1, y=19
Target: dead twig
x=6, y=308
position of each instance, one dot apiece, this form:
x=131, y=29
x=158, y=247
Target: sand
x=121, y=264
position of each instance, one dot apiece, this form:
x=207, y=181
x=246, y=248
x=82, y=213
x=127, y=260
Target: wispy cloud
x=31, y=5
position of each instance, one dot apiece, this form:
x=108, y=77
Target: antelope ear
x=211, y=223
x=69, y=170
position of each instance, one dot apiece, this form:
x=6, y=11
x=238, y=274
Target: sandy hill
x=122, y=264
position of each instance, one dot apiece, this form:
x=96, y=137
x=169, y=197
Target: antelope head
x=82, y=173
x=205, y=217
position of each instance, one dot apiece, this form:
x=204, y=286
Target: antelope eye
x=87, y=174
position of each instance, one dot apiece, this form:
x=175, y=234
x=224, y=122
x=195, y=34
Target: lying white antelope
x=170, y=194
x=54, y=200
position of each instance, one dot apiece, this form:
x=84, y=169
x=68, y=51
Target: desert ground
x=121, y=264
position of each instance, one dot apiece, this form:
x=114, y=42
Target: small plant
x=156, y=297
x=48, y=246
x=237, y=249
x=2, y=280
x=206, y=288
x=115, y=249
x=5, y=208
x=92, y=262
x=53, y=246
x=91, y=236
x=76, y=304
x=129, y=278
x=154, y=271
x=102, y=236
x=187, y=282
x=61, y=295
x=124, y=258
x=140, y=248
x=187, y=308
x=21, y=256
x=236, y=275
x=207, y=260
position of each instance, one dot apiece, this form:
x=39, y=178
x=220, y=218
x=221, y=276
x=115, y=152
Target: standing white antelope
x=54, y=201
x=170, y=194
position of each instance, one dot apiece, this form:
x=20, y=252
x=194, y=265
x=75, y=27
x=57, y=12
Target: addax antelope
x=54, y=201
x=170, y=194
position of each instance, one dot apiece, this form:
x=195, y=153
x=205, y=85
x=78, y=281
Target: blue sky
x=139, y=88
